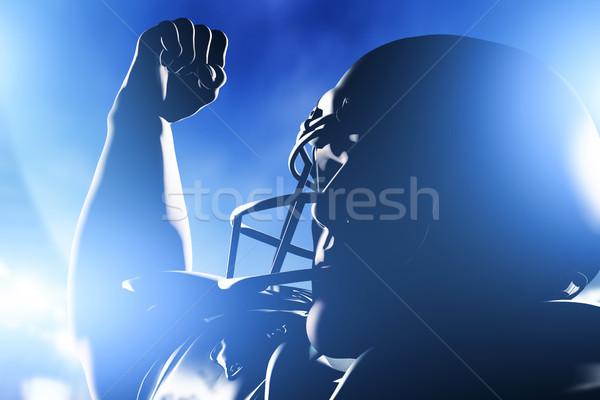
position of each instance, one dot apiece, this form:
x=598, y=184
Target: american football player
x=455, y=215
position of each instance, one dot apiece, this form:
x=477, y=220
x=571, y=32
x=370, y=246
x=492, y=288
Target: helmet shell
x=506, y=144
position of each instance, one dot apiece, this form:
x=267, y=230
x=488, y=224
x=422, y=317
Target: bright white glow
x=176, y=211
x=26, y=300
x=127, y=286
x=40, y=388
x=64, y=342
x=4, y=271
x=585, y=160
x=194, y=376
x=22, y=297
x=590, y=295
x=35, y=309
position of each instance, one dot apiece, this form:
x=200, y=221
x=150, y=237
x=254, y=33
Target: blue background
x=63, y=63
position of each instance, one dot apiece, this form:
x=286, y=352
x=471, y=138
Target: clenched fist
x=177, y=69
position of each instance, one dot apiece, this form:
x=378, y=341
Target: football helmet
x=504, y=140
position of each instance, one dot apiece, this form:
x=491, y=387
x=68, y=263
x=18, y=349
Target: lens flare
x=585, y=160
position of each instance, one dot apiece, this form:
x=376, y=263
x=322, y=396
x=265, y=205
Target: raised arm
x=133, y=222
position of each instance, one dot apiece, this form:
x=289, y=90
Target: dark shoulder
x=548, y=351
x=573, y=329
x=542, y=352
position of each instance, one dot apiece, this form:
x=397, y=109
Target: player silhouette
x=454, y=221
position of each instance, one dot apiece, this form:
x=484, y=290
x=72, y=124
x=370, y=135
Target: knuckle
x=183, y=61
x=211, y=76
x=202, y=28
x=164, y=27
x=203, y=32
x=220, y=34
x=221, y=76
x=184, y=20
x=184, y=24
x=155, y=34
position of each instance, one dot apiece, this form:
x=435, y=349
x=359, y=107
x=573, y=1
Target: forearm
x=126, y=228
